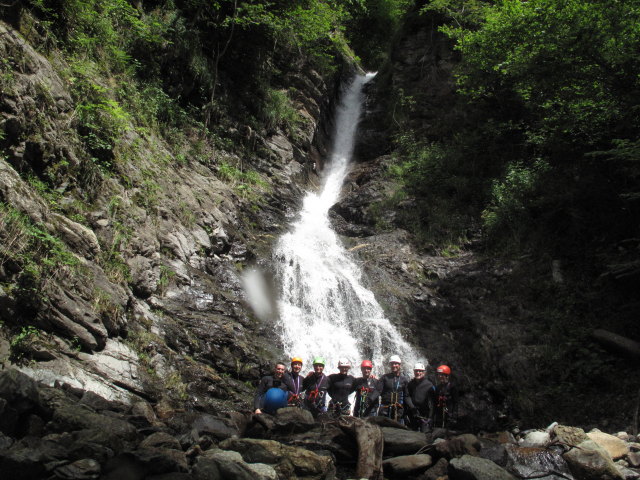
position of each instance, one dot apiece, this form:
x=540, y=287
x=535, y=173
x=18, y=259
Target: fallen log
x=370, y=446
x=617, y=343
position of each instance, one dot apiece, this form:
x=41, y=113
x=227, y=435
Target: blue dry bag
x=274, y=399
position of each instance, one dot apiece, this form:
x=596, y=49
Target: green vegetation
x=543, y=137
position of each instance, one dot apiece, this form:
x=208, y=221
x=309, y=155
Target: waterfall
x=324, y=308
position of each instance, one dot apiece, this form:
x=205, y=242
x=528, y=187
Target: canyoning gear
x=274, y=399
x=443, y=404
x=366, y=363
x=315, y=388
x=443, y=369
x=394, y=396
x=340, y=386
x=338, y=409
x=266, y=383
x=295, y=388
x=363, y=407
x=344, y=362
x=419, y=366
x=318, y=361
x=394, y=359
x=296, y=359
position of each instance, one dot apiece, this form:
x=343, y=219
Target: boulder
x=589, y=461
x=615, y=447
x=569, y=435
x=402, y=442
x=161, y=440
x=405, y=465
x=218, y=428
x=437, y=472
x=468, y=467
x=222, y=465
x=466, y=444
x=304, y=462
x=528, y=462
x=85, y=469
x=293, y=420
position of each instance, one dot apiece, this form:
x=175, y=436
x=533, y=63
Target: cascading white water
x=324, y=308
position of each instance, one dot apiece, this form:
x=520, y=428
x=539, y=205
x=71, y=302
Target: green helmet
x=318, y=361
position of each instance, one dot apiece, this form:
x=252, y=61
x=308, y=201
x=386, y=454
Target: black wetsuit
x=394, y=396
x=315, y=392
x=419, y=391
x=340, y=387
x=363, y=406
x=443, y=405
x=268, y=382
x=296, y=390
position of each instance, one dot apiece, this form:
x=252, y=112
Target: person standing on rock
x=443, y=400
x=273, y=391
x=315, y=388
x=393, y=392
x=340, y=386
x=295, y=395
x=418, y=388
x=364, y=386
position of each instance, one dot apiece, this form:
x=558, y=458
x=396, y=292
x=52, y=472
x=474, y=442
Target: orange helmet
x=444, y=370
x=366, y=363
x=297, y=359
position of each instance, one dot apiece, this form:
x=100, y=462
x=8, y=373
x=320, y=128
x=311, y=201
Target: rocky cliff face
x=125, y=280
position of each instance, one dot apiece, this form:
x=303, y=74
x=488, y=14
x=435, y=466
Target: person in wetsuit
x=443, y=400
x=418, y=388
x=341, y=385
x=277, y=380
x=364, y=385
x=393, y=393
x=295, y=395
x=315, y=388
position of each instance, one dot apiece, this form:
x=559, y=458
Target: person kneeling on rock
x=273, y=391
x=393, y=392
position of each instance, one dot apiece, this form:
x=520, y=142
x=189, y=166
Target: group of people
x=416, y=402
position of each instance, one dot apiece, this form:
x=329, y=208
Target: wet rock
x=493, y=450
x=402, y=442
x=327, y=437
x=85, y=469
x=218, y=428
x=469, y=467
x=161, y=460
x=589, y=461
x=527, y=462
x=615, y=447
x=402, y=466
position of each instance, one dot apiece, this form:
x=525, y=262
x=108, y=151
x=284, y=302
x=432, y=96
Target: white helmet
x=394, y=358
x=344, y=362
x=419, y=366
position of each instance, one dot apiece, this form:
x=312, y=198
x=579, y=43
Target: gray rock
x=634, y=459
x=406, y=465
x=469, y=467
x=402, y=442
x=438, y=471
x=589, y=461
x=161, y=460
x=161, y=440
x=85, y=469
x=222, y=465
x=219, y=428
x=304, y=462
x=530, y=461
x=293, y=420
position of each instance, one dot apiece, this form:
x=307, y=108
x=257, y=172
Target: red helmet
x=443, y=369
x=366, y=363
